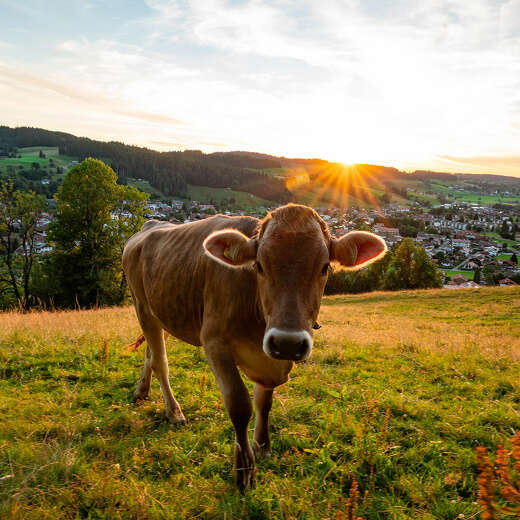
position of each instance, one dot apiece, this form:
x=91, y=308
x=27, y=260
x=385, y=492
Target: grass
x=499, y=240
x=468, y=274
x=446, y=188
x=205, y=194
x=30, y=155
x=399, y=391
x=35, y=150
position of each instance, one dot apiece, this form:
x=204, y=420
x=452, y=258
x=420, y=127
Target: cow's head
x=291, y=254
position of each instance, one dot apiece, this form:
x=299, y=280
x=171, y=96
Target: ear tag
x=227, y=254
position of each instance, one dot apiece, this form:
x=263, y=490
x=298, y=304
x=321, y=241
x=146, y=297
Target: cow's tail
x=140, y=340
x=136, y=344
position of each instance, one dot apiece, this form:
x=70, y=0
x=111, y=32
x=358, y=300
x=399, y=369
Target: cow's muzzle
x=288, y=344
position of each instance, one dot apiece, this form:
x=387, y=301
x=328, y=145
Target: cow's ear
x=230, y=247
x=357, y=249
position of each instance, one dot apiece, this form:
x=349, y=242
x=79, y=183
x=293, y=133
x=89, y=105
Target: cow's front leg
x=263, y=400
x=238, y=404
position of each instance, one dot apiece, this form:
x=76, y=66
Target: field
x=205, y=194
x=399, y=391
x=468, y=274
x=30, y=155
x=446, y=188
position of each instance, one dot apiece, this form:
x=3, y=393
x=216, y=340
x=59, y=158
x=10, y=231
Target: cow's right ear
x=230, y=247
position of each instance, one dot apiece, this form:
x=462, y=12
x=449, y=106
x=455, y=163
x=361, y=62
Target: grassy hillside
x=30, y=155
x=399, y=391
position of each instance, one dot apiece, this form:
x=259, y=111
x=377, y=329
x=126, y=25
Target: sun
x=336, y=185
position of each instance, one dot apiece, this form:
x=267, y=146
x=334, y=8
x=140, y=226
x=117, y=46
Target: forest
x=169, y=172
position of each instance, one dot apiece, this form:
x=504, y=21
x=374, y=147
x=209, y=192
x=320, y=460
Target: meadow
x=400, y=390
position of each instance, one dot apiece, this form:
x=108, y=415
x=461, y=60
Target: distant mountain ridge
x=251, y=172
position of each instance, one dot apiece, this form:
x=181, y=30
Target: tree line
x=169, y=172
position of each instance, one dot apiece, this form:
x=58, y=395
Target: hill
x=270, y=178
x=399, y=391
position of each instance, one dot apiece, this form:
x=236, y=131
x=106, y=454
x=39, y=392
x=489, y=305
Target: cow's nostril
x=273, y=346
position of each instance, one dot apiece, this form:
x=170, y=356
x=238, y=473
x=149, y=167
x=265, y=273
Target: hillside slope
x=275, y=179
x=399, y=391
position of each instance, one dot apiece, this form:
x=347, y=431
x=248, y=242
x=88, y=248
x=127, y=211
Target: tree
x=94, y=218
x=514, y=258
x=19, y=214
x=476, y=275
x=411, y=268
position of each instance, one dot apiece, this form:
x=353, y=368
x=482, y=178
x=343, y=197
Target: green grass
x=498, y=239
x=205, y=194
x=25, y=160
x=446, y=188
x=468, y=274
x=147, y=188
x=400, y=389
x=35, y=150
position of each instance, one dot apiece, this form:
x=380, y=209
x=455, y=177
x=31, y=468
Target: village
x=463, y=239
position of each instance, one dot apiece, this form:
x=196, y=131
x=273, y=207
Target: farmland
x=399, y=391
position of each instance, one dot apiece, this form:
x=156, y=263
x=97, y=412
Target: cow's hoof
x=244, y=470
x=140, y=396
x=262, y=450
x=176, y=418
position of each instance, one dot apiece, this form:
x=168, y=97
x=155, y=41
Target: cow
x=248, y=291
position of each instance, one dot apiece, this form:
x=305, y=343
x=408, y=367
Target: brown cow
x=249, y=291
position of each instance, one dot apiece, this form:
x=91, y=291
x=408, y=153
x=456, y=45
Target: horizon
x=462, y=172
x=430, y=87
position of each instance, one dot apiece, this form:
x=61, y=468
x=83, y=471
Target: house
x=468, y=284
x=458, y=279
x=506, y=282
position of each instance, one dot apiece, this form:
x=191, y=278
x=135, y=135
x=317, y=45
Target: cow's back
x=168, y=272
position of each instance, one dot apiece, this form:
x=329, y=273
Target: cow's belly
x=180, y=316
x=260, y=368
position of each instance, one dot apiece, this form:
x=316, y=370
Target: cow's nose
x=289, y=345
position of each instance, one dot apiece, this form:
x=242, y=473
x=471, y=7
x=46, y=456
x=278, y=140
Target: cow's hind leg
x=158, y=361
x=263, y=400
x=142, y=389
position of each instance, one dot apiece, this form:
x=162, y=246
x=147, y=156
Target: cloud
x=21, y=80
x=496, y=162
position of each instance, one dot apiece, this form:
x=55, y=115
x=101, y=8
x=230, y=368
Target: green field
x=468, y=274
x=205, y=194
x=30, y=155
x=445, y=188
x=400, y=390
x=35, y=150
x=499, y=240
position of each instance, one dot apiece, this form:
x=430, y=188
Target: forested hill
x=169, y=172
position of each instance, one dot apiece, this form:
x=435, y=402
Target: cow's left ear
x=230, y=247
x=357, y=249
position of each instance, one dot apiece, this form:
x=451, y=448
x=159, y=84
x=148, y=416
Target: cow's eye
x=325, y=269
x=259, y=268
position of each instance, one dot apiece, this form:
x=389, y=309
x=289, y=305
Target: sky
x=432, y=84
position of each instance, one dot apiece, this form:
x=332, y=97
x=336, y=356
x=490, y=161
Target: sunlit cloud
x=414, y=85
